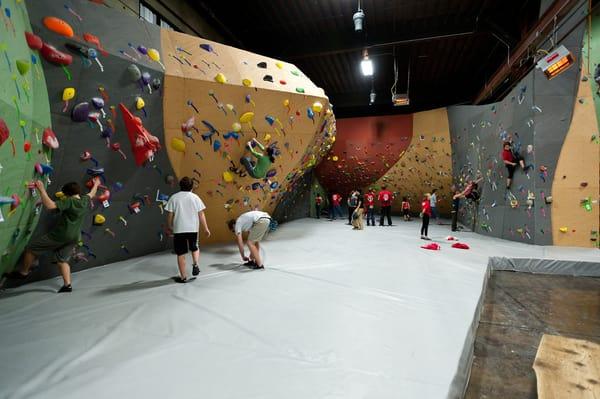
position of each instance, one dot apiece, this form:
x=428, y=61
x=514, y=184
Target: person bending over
x=256, y=224
x=352, y=202
x=357, y=215
x=258, y=169
x=184, y=212
x=511, y=160
x=65, y=235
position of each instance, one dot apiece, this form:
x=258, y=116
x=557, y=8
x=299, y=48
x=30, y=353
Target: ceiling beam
x=536, y=35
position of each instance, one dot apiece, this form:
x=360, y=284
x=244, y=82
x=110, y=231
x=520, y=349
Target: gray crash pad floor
x=336, y=314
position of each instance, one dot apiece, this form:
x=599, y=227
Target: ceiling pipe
x=537, y=34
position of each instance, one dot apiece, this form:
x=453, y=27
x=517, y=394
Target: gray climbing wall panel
x=537, y=114
x=134, y=234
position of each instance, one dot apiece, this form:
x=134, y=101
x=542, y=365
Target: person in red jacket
x=370, y=207
x=385, y=198
x=511, y=160
x=426, y=212
x=336, y=208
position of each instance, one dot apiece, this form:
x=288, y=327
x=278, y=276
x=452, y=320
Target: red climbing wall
x=364, y=150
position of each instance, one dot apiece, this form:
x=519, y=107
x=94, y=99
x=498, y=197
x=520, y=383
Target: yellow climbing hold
x=334, y=158
x=220, y=78
x=564, y=229
x=99, y=220
x=139, y=103
x=227, y=176
x=317, y=107
x=267, y=137
x=286, y=103
x=247, y=117
x=247, y=82
x=279, y=64
x=59, y=195
x=178, y=144
x=236, y=127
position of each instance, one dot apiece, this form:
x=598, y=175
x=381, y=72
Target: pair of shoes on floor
x=195, y=270
x=65, y=288
x=425, y=238
x=16, y=275
x=250, y=263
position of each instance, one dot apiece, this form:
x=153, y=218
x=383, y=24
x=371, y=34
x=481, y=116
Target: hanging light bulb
x=366, y=65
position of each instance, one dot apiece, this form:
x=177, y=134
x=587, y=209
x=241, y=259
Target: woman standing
x=426, y=214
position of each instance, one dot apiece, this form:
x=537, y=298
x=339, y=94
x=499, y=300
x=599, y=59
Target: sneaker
x=66, y=288
x=422, y=237
x=181, y=280
x=195, y=270
x=250, y=263
x=427, y=238
x=256, y=267
x=16, y=275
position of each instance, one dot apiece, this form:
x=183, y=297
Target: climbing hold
x=317, y=106
x=58, y=26
x=4, y=131
x=99, y=220
x=247, y=117
x=208, y=47
x=33, y=41
x=247, y=82
x=299, y=90
x=80, y=112
x=134, y=72
x=68, y=94
x=267, y=137
x=334, y=158
x=236, y=127
x=282, y=82
x=228, y=176
x=563, y=229
x=178, y=144
x=49, y=139
x=52, y=55
x=262, y=65
x=139, y=103
x=268, y=78
x=216, y=145
x=155, y=56
x=23, y=66
x=310, y=114
x=270, y=120
x=279, y=64
x=27, y=146
x=295, y=73
x=220, y=78
x=43, y=169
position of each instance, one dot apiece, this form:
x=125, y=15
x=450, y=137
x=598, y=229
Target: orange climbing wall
x=577, y=164
x=425, y=164
x=300, y=139
x=365, y=149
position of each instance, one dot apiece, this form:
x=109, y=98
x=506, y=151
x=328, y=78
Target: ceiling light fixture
x=358, y=18
x=400, y=99
x=556, y=62
x=366, y=65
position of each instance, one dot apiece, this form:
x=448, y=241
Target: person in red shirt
x=370, y=207
x=336, y=208
x=385, y=198
x=426, y=212
x=318, y=202
x=405, y=209
x=510, y=161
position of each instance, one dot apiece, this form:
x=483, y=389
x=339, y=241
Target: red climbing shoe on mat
x=460, y=245
x=432, y=246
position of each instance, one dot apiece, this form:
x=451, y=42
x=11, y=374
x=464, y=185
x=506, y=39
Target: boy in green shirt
x=258, y=169
x=65, y=235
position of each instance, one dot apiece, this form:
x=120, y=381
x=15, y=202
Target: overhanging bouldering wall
x=105, y=77
x=424, y=165
x=24, y=116
x=537, y=114
x=217, y=98
x=410, y=154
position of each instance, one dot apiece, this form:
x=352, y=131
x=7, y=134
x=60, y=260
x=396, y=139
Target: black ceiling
x=452, y=46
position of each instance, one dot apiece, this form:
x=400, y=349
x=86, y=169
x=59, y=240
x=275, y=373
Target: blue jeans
x=434, y=212
x=370, y=216
x=336, y=210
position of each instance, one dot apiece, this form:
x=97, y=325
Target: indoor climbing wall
x=24, y=128
x=139, y=108
x=537, y=115
x=408, y=153
x=424, y=165
x=218, y=98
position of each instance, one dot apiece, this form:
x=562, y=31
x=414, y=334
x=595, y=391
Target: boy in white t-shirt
x=184, y=211
x=256, y=223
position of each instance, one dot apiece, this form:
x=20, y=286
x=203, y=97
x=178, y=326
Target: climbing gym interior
x=300, y=199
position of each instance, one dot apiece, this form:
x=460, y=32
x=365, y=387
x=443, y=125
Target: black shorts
x=406, y=212
x=511, y=170
x=183, y=241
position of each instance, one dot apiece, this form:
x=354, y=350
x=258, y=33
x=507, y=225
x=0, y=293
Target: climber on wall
x=471, y=190
x=258, y=169
x=511, y=159
x=65, y=235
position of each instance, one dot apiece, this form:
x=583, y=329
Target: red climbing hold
x=52, y=55
x=4, y=131
x=33, y=41
x=143, y=144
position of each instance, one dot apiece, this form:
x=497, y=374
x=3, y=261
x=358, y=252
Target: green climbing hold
x=23, y=66
x=299, y=89
x=295, y=73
